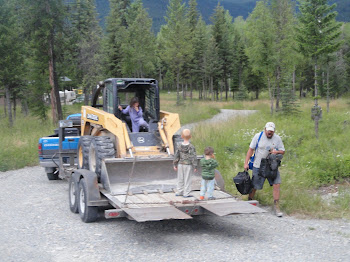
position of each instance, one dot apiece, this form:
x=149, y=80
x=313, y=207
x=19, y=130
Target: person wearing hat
x=269, y=143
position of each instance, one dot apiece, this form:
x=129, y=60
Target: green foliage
x=21, y=142
x=242, y=93
x=222, y=27
x=116, y=30
x=176, y=40
x=318, y=31
x=290, y=104
x=307, y=164
x=138, y=48
x=261, y=39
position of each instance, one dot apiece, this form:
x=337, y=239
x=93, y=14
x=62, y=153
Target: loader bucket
x=137, y=175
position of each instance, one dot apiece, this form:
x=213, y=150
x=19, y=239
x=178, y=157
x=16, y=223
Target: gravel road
x=37, y=225
x=224, y=115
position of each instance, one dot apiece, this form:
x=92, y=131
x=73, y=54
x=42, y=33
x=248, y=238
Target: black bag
x=269, y=166
x=243, y=182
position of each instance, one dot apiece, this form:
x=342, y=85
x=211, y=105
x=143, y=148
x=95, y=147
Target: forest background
x=289, y=59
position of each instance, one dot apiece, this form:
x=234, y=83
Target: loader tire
x=87, y=213
x=101, y=147
x=83, y=152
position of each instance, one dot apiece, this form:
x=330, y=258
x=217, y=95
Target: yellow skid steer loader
x=109, y=148
x=132, y=172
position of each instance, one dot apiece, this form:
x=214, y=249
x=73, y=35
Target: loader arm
x=92, y=116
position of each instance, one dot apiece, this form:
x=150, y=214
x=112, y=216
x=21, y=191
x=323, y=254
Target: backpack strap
x=257, y=143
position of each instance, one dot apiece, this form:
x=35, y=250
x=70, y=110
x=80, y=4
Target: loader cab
x=119, y=91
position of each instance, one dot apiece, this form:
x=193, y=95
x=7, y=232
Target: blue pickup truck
x=48, y=147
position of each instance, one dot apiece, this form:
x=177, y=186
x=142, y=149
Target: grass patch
x=307, y=164
x=19, y=144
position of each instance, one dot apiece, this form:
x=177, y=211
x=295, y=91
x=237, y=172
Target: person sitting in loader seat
x=134, y=110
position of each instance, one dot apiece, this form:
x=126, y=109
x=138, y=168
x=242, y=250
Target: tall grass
x=307, y=164
x=19, y=144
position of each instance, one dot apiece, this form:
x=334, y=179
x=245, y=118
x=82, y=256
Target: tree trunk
x=14, y=105
x=86, y=95
x=226, y=88
x=5, y=109
x=55, y=95
x=212, y=88
x=294, y=81
x=183, y=91
x=24, y=107
x=278, y=89
x=9, y=106
x=270, y=94
x=191, y=90
x=328, y=98
x=160, y=79
x=178, y=87
x=316, y=100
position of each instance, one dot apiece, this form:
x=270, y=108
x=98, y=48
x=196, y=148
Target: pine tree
x=116, y=30
x=317, y=36
x=290, y=105
x=82, y=59
x=222, y=23
x=139, y=47
x=12, y=56
x=261, y=40
x=240, y=59
x=282, y=13
x=176, y=39
x=200, y=43
x=44, y=20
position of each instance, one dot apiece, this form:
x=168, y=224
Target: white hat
x=270, y=126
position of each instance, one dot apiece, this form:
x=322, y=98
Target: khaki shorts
x=258, y=181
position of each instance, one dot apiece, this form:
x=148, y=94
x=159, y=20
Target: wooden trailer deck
x=161, y=206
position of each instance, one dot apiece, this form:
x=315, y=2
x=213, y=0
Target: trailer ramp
x=230, y=208
x=164, y=206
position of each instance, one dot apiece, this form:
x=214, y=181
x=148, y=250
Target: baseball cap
x=270, y=126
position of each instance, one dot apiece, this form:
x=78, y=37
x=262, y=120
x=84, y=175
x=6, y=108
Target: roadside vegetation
x=309, y=164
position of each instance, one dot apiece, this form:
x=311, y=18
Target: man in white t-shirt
x=269, y=143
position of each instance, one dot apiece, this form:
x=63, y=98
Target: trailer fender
x=93, y=194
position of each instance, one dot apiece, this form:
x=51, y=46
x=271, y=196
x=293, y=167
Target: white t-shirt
x=265, y=145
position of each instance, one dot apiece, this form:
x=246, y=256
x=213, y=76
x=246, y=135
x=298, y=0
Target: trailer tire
x=52, y=176
x=73, y=195
x=87, y=213
x=83, y=152
x=101, y=147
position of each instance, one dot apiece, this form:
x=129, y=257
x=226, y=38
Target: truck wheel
x=87, y=213
x=83, y=152
x=101, y=147
x=73, y=197
x=52, y=176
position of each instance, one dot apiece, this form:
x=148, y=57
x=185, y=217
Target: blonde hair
x=186, y=134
